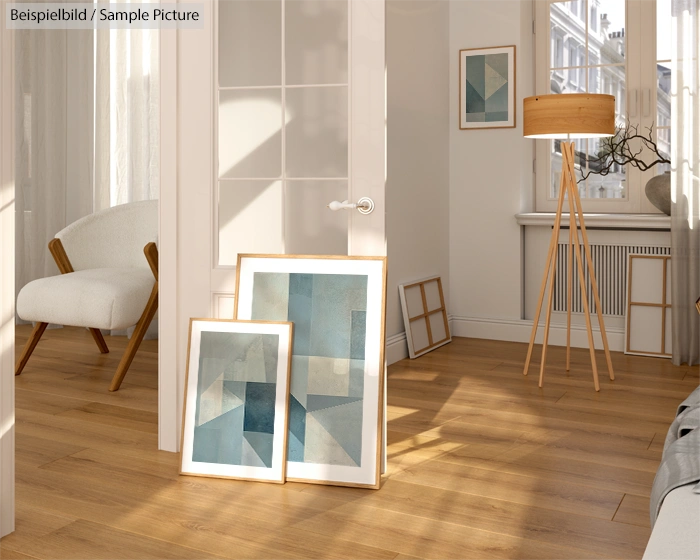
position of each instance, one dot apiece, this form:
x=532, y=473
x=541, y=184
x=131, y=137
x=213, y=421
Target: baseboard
x=520, y=331
x=396, y=348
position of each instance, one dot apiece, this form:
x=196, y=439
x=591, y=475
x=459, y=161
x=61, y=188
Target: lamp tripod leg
x=538, y=311
x=572, y=192
x=545, y=339
x=549, y=268
x=569, y=284
x=594, y=284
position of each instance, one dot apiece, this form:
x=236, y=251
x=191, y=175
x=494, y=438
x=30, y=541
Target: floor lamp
x=573, y=115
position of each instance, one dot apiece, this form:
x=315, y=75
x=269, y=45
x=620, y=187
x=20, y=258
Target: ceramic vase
x=658, y=191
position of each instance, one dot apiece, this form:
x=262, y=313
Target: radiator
x=610, y=263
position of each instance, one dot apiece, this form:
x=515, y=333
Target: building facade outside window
x=605, y=46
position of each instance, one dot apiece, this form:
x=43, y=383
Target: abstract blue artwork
x=487, y=88
x=329, y=315
x=235, y=411
x=337, y=308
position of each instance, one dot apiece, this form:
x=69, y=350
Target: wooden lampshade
x=579, y=115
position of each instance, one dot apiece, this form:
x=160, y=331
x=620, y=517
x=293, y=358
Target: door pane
x=250, y=43
x=250, y=219
x=310, y=227
x=250, y=133
x=317, y=132
x=316, y=37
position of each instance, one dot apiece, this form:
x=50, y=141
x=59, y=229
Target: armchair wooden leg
x=136, y=338
x=99, y=340
x=39, y=329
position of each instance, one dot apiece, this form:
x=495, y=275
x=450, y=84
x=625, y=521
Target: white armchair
x=105, y=281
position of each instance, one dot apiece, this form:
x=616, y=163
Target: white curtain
x=685, y=182
x=87, y=132
x=127, y=124
x=54, y=142
x=126, y=116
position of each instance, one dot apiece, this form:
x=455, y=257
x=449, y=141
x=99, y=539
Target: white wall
x=490, y=176
x=417, y=194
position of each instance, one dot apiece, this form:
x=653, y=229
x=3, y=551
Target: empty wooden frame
x=648, y=322
x=424, y=315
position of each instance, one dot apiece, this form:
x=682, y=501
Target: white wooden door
x=280, y=110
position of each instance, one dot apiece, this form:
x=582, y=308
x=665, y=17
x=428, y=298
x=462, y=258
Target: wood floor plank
x=428, y=538
x=642, y=405
x=528, y=460
x=33, y=523
x=657, y=443
x=7, y=553
x=527, y=417
x=84, y=434
x=634, y=510
x=32, y=451
x=591, y=536
x=555, y=495
x=86, y=540
x=139, y=398
x=46, y=403
x=118, y=416
x=406, y=452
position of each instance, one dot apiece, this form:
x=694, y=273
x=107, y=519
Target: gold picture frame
x=337, y=304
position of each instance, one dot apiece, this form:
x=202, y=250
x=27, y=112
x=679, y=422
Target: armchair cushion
x=101, y=298
x=114, y=237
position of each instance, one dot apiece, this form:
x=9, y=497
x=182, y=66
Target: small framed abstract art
x=236, y=399
x=487, y=88
x=337, y=305
x=424, y=315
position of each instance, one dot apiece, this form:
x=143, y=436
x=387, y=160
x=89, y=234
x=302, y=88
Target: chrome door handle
x=364, y=205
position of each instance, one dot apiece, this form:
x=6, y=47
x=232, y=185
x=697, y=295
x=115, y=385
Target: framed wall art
x=424, y=315
x=236, y=399
x=487, y=88
x=337, y=305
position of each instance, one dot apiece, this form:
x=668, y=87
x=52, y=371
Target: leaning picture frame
x=337, y=305
x=424, y=315
x=487, y=88
x=649, y=311
x=236, y=399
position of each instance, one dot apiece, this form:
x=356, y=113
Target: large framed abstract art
x=337, y=305
x=487, y=88
x=236, y=404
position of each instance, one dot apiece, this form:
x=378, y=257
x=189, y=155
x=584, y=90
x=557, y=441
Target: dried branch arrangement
x=618, y=149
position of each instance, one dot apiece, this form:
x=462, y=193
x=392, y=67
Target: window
x=663, y=80
x=594, y=17
x=557, y=50
x=605, y=51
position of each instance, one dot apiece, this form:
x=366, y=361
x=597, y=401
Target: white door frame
x=169, y=391
x=7, y=280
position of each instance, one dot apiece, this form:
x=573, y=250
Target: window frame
x=639, y=104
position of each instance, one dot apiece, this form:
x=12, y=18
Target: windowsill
x=593, y=220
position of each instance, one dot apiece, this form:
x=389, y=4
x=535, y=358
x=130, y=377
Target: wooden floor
x=482, y=464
